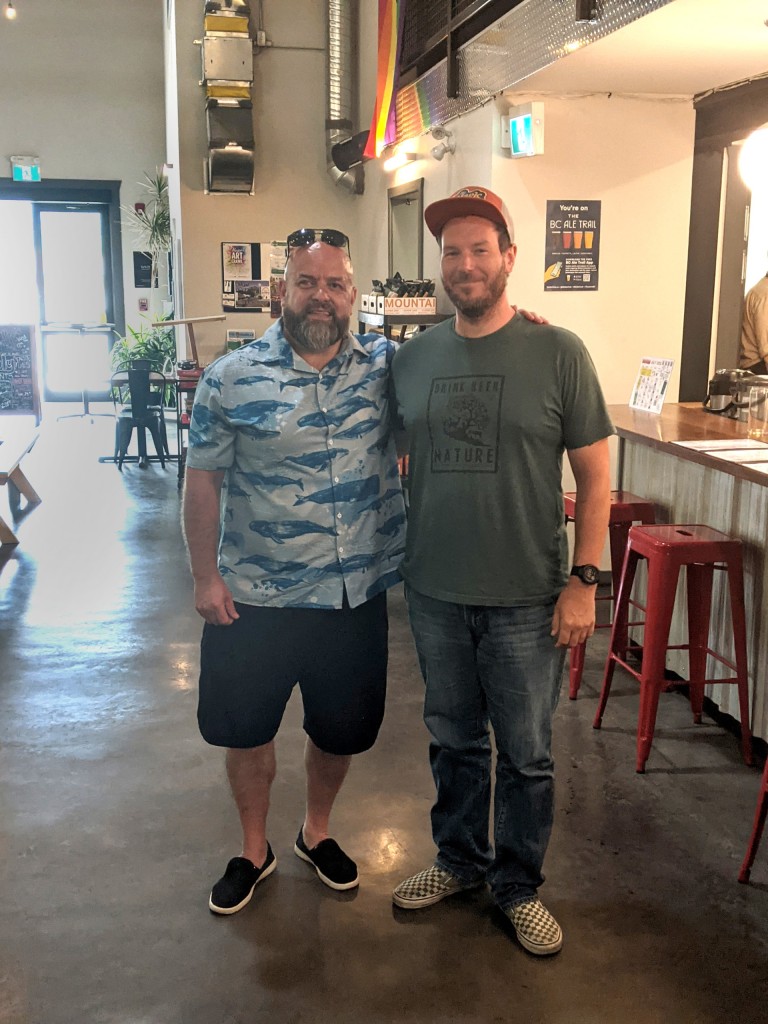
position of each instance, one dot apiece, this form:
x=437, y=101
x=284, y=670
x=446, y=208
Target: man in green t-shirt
x=489, y=402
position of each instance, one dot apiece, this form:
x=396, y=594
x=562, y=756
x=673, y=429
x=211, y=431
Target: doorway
x=60, y=247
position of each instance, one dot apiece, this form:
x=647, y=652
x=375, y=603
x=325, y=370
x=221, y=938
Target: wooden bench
x=15, y=443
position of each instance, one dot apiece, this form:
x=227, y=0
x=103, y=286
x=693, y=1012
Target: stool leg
x=141, y=438
x=699, y=590
x=576, y=670
x=155, y=430
x=736, y=587
x=617, y=535
x=619, y=628
x=761, y=811
x=662, y=583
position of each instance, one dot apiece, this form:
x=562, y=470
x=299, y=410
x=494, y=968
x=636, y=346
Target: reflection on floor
x=115, y=821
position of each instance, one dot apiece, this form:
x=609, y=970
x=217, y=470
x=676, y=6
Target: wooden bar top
x=687, y=421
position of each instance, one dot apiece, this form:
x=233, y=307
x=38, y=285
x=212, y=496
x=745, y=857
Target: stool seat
x=667, y=548
x=684, y=543
x=626, y=508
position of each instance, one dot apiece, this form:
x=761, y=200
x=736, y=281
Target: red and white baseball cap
x=470, y=201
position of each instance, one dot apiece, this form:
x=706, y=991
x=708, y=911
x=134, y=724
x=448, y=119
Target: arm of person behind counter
x=202, y=526
x=574, y=618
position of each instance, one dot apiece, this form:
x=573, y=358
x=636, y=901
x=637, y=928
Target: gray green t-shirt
x=487, y=421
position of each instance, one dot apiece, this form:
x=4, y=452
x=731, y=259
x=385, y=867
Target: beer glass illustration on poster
x=572, y=245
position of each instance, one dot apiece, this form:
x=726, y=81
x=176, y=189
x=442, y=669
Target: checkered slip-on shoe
x=234, y=889
x=536, y=929
x=333, y=866
x=428, y=887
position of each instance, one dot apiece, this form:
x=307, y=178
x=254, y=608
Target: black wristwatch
x=588, y=574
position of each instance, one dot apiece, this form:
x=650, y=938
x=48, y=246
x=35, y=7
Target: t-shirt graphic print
x=464, y=418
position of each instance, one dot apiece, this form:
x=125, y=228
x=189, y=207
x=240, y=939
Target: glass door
x=76, y=302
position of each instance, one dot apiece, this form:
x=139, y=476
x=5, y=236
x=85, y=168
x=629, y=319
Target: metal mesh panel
x=529, y=38
x=422, y=22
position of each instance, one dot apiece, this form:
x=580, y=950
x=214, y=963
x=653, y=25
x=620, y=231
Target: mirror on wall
x=406, y=229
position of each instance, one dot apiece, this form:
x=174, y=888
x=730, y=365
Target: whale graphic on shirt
x=351, y=491
x=280, y=532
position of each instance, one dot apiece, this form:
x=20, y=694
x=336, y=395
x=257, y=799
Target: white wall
x=82, y=88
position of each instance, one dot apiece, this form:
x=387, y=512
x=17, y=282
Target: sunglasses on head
x=308, y=236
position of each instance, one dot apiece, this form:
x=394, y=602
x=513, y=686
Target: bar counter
x=689, y=486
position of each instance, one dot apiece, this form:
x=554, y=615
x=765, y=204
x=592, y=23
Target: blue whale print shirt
x=312, y=502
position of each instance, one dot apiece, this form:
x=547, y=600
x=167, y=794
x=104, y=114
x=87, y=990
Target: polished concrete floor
x=115, y=820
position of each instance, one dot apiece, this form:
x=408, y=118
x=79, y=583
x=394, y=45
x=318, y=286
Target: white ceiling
x=686, y=48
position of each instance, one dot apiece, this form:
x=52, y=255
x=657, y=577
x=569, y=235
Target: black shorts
x=338, y=658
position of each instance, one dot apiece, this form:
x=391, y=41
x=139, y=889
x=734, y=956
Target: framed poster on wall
x=250, y=272
x=572, y=245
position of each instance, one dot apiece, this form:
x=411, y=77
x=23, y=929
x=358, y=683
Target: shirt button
x=324, y=409
x=338, y=515
x=335, y=479
x=341, y=550
x=330, y=441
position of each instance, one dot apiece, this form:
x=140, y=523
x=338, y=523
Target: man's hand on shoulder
x=574, y=619
x=535, y=318
x=214, y=602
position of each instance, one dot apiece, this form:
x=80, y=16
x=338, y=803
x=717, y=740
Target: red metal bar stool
x=666, y=549
x=761, y=811
x=626, y=509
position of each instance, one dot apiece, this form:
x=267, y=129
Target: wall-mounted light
x=446, y=143
x=9, y=11
x=753, y=159
x=587, y=10
x=398, y=160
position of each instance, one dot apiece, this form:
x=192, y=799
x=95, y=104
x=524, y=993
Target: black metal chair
x=139, y=396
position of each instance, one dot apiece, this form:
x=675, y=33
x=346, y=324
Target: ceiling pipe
x=342, y=90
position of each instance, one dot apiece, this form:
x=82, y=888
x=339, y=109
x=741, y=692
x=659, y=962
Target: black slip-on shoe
x=332, y=865
x=234, y=889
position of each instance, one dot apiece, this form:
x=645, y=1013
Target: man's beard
x=475, y=309
x=314, y=335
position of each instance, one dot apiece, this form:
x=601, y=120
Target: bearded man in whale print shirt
x=295, y=525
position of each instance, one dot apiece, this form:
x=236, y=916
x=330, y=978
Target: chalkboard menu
x=18, y=371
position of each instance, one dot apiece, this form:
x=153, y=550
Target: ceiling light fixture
x=447, y=143
x=10, y=11
x=398, y=160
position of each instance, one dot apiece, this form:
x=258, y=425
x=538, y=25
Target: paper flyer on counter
x=650, y=388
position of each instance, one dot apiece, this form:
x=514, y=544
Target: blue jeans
x=501, y=665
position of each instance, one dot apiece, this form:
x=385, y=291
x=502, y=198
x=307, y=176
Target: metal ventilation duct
x=528, y=39
x=342, y=89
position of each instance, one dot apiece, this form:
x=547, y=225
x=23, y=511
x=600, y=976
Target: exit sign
x=25, y=168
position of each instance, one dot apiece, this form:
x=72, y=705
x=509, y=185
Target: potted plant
x=150, y=223
x=156, y=346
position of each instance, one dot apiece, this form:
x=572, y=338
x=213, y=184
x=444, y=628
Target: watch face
x=587, y=573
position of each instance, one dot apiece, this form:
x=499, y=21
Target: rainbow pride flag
x=384, y=124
